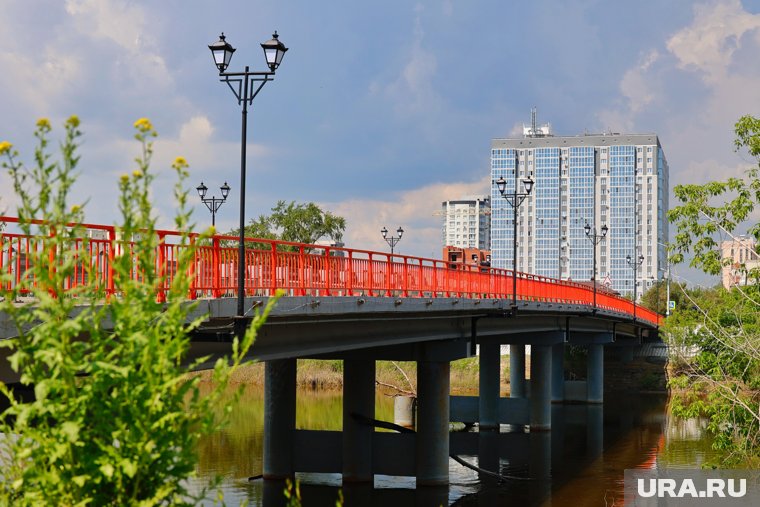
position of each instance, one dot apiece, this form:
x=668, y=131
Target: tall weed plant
x=115, y=420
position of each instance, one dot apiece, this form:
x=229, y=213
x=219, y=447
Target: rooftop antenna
x=533, y=130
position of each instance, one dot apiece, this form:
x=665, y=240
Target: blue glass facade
x=583, y=180
x=503, y=165
x=622, y=162
x=546, y=203
x=580, y=174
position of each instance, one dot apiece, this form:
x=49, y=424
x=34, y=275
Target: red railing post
x=161, y=261
x=328, y=272
x=191, y=270
x=273, y=281
x=350, y=274
x=388, y=274
x=216, y=276
x=302, y=270
x=405, y=280
x=111, y=259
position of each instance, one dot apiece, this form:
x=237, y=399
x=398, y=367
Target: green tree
x=115, y=420
x=299, y=223
x=723, y=378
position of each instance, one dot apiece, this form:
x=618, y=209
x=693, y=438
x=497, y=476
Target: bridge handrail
x=309, y=269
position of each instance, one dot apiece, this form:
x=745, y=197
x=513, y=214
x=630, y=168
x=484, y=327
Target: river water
x=579, y=463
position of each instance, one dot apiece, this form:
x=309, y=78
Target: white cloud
x=414, y=210
x=636, y=86
x=118, y=21
x=412, y=92
x=708, y=45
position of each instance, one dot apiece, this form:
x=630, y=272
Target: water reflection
x=580, y=462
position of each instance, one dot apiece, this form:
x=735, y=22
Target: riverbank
x=392, y=377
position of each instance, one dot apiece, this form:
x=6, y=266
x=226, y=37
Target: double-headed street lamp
x=595, y=240
x=393, y=239
x=213, y=203
x=515, y=199
x=245, y=85
x=634, y=264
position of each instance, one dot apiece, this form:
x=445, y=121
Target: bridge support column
x=358, y=398
x=540, y=388
x=279, y=418
x=558, y=373
x=432, y=439
x=490, y=376
x=595, y=374
x=517, y=371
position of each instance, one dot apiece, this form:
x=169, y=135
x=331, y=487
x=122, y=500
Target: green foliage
x=116, y=420
x=722, y=379
x=298, y=223
x=699, y=217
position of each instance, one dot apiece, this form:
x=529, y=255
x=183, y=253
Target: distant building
x=467, y=222
x=618, y=180
x=740, y=258
x=457, y=257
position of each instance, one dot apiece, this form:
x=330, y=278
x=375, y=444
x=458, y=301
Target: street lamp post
x=515, y=199
x=392, y=240
x=595, y=240
x=245, y=86
x=634, y=263
x=213, y=203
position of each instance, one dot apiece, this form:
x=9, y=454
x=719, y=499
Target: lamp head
x=501, y=184
x=225, y=190
x=222, y=51
x=604, y=230
x=274, y=50
x=384, y=232
x=400, y=232
x=528, y=184
x=202, y=189
x=587, y=228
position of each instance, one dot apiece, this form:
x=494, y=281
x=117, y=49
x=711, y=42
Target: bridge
x=362, y=306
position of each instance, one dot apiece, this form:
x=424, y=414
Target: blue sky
x=380, y=110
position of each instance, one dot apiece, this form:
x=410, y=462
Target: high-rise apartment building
x=467, y=222
x=608, y=179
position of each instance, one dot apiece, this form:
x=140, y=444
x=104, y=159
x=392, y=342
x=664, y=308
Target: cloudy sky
x=380, y=110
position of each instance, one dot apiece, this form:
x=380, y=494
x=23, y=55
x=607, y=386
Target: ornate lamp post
x=213, y=203
x=595, y=240
x=515, y=199
x=634, y=264
x=245, y=86
x=392, y=240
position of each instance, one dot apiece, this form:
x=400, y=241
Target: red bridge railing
x=302, y=269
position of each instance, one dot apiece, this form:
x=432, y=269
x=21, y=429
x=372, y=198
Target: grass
x=328, y=375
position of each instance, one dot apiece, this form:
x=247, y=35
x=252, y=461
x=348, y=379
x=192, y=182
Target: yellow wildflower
x=75, y=208
x=143, y=125
x=212, y=230
x=43, y=124
x=73, y=121
x=137, y=173
x=180, y=162
x=5, y=147
x=124, y=178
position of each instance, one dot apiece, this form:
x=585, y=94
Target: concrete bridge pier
x=490, y=377
x=540, y=387
x=432, y=439
x=558, y=373
x=359, y=399
x=595, y=373
x=279, y=418
x=517, y=371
